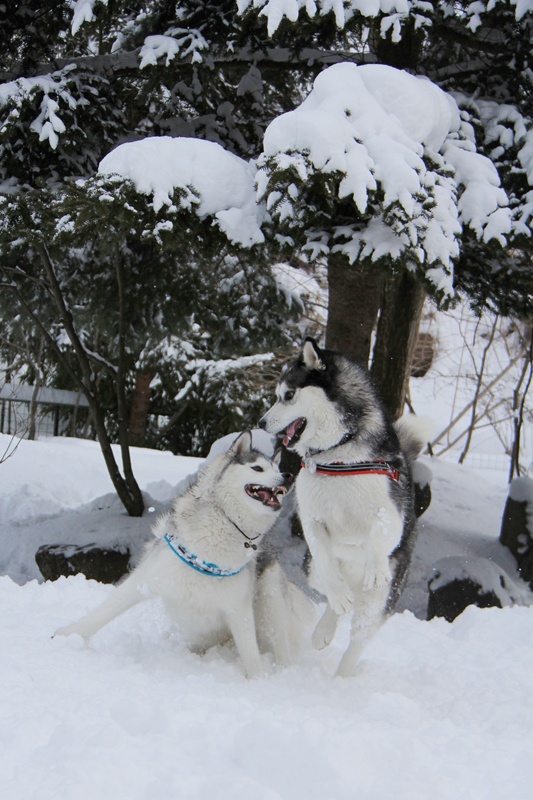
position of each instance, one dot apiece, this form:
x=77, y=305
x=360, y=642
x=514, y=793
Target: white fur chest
x=353, y=509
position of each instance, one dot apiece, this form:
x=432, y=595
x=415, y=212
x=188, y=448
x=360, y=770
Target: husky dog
x=354, y=491
x=202, y=563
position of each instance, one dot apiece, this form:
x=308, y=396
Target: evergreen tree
x=80, y=78
x=103, y=278
x=122, y=291
x=480, y=53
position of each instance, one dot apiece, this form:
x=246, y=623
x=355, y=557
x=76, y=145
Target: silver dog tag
x=310, y=464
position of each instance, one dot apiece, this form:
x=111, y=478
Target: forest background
x=172, y=325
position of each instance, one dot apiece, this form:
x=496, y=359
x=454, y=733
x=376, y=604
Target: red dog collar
x=361, y=468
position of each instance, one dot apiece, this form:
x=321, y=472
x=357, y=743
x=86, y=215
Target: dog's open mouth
x=294, y=431
x=269, y=496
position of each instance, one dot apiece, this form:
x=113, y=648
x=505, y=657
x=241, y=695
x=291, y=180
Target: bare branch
x=128, y=61
x=469, y=405
x=477, y=392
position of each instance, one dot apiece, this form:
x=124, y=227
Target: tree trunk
x=125, y=485
x=140, y=406
x=519, y=401
x=135, y=495
x=354, y=297
x=401, y=309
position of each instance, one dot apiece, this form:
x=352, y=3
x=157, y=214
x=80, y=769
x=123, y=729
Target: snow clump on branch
x=177, y=41
x=211, y=181
x=83, y=11
x=392, y=12
x=376, y=164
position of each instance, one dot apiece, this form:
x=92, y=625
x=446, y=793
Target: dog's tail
x=414, y=434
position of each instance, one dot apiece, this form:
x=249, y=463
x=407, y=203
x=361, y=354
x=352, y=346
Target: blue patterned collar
x=196, y=563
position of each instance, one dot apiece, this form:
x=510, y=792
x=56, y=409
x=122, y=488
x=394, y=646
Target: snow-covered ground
x=436, y=710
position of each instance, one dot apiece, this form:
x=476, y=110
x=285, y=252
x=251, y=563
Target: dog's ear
x=311, y=355
x=242, y=444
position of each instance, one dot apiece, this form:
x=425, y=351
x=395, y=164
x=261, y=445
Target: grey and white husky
x=354, y=491
x=202, y=561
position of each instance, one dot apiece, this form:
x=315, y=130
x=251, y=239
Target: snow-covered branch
x=160, y=166
x=394, y=148
x=391, y=12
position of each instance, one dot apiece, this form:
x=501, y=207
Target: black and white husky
x=354, y=491
x=202, y=562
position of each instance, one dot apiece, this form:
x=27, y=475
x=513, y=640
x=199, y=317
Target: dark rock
x=460, y=582
x=422, y=498
x=422, y=476
x=451, y=600
x=515, y=532
x=104, y=564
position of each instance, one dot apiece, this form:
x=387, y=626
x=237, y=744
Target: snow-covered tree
x=329, y=166
x=438, y=189
x=147, y=267
x=124, y=289
x=154, y=68
x=377, y=169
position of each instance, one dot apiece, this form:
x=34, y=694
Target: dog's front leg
x=327, y=577
x=384, y=535
x=377, y=571
x=273, y=613
x=242, y=626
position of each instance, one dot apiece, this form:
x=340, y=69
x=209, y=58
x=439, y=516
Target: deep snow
x=437, y=710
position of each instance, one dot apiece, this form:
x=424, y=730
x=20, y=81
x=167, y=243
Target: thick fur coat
x=202, y=560
x=359, y=527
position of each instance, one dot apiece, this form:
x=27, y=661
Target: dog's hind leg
x=367, y=618
x=123, y=598
x=325, y=629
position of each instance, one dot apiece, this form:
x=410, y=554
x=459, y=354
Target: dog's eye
x=289, y=395
x=258, y=469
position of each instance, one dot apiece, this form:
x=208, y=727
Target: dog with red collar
x=355, y=491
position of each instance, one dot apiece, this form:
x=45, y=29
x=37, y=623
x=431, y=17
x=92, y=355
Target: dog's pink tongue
x=292, y=429
x=268, y=497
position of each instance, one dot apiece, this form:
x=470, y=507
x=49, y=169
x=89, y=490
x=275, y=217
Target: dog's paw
x=377, y=577
x=69, y=630
x=73, y=641
x=253, y=668
x=330, y=582
x=340, y=598
x=325, y=630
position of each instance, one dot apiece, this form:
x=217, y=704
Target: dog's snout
x=288, y=477
x=262, y=423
